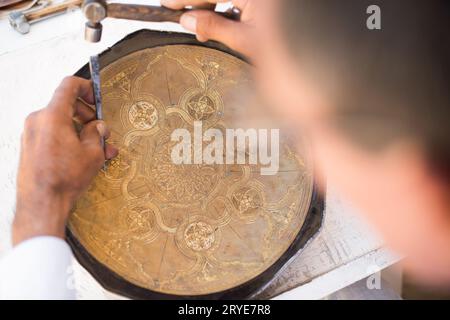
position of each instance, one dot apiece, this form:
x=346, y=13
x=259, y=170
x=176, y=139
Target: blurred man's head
x=378, y=103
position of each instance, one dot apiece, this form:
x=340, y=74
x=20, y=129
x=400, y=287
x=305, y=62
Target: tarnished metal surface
x=191, y=229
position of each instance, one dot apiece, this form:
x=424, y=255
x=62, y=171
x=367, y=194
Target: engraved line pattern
x=189, y=229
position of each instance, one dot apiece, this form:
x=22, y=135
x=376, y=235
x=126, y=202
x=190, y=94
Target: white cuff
x=39, y=268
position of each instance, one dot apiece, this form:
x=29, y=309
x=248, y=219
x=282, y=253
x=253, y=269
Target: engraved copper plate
x=185, y=230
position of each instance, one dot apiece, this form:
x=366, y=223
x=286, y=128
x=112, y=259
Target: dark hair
x=386, y=84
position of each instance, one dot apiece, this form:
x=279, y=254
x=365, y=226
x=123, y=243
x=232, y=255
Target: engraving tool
x=94, y=66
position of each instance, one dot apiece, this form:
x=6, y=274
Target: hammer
x=37, y=11
x=97, y=10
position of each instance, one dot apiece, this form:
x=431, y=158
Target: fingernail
x=189, y=22
x=101, y=128
x=111, y=151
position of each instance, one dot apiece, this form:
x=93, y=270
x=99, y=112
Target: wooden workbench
x=31, y=67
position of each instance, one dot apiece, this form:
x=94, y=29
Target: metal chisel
x=94, y=66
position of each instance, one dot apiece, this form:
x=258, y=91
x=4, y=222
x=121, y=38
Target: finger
x=70, y=89
x=111, y=151
x=180, y=4
x=91, y=137
x=94, y=132
x=83, y=112
x=209, y=26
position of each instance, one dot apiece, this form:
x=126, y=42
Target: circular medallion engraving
x=199, y=236
x=247, y=200
x=143, y=115
x=201, y=107
x=140, y=219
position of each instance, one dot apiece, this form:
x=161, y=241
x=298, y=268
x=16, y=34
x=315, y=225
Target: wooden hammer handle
x=151, y=13
x=52, y=10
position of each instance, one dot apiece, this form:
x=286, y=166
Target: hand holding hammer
x=97, y=10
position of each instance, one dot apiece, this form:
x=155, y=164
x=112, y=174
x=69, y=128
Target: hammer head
x=93, y=32
x=94, y=11
x=19, y=22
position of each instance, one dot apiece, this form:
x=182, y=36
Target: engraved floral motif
x=143, y=115
x=247, y=200
x=199, y=236
x=121, y=79
x=182, y=183
x=118, y=167
x=211, y=69
x=140, y=219
x=201, y=107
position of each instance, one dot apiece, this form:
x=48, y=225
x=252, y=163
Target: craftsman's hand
x=209, y=26
x=57, y=164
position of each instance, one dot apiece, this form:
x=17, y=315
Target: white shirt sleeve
x=39, y=268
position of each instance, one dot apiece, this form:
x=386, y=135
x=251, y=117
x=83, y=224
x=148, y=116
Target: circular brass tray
x=148, y=228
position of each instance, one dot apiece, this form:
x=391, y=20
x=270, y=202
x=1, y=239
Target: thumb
x=207, y=25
